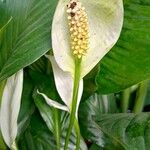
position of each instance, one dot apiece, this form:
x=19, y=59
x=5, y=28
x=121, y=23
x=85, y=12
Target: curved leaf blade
x=27, y=37
x=93, y=108
x=37, y=136
x=2, y=144
x=129, y=129
x=57, y=124
x=27, y=107
x=55, y=119
x=128, y=62
x=124, y=131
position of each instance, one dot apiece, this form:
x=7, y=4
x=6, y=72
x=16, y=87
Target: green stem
x=77, y=129
x=14, y=146
x=57, y=128
x=74, y=103
x=125, y=100
x=2, y=85
x=2, y=144
x=140, y=97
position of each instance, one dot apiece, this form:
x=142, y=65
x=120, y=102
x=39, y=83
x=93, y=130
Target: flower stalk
x=79, y=35
x=74, y=105
x=140, y=97
x=125, y=100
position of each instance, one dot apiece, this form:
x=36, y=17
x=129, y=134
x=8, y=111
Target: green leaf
x=147, y=98
x=37, y=136
x=95, y=147
x=114, y=131
x=27, y=36
x=5, y=19
x=98, y=104
x=49, y=114
x=90, y=86
x=27, y=105
x=128, y=62
x=44, y=82
x=93, y=108
x=41, y=65
x=125, y=131
x=56, y=120
x=2, y=144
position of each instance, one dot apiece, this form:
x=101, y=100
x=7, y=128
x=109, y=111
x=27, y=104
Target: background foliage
x=128, y=62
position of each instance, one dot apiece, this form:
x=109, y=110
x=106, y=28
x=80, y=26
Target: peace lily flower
x=82, y=33
x=84, y=30
x=64, y=86
x=104, y=23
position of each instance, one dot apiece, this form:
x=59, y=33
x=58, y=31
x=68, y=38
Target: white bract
x=10, y=106
x=105, y=19
x=64, y=86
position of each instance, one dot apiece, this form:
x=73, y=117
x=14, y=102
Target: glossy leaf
x=57, y=122
x=105, y=23
x=91, y=109
x=27, y=36
x=41, y=65
x=147, y=97
x=2, y=144
x=124, y=131
x=90, y=86
x=95, y=147
x=27, y=105
x=128, y=62
x=55, y=119
x=10, y=107
x=127, y=131
x=98, y=104
x=37, y=136
x=46, y=85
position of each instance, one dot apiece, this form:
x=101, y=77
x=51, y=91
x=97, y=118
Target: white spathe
x=64, y=86
x=53, y=103
x=105, y=23
x=10, y=106
x=63, y=82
